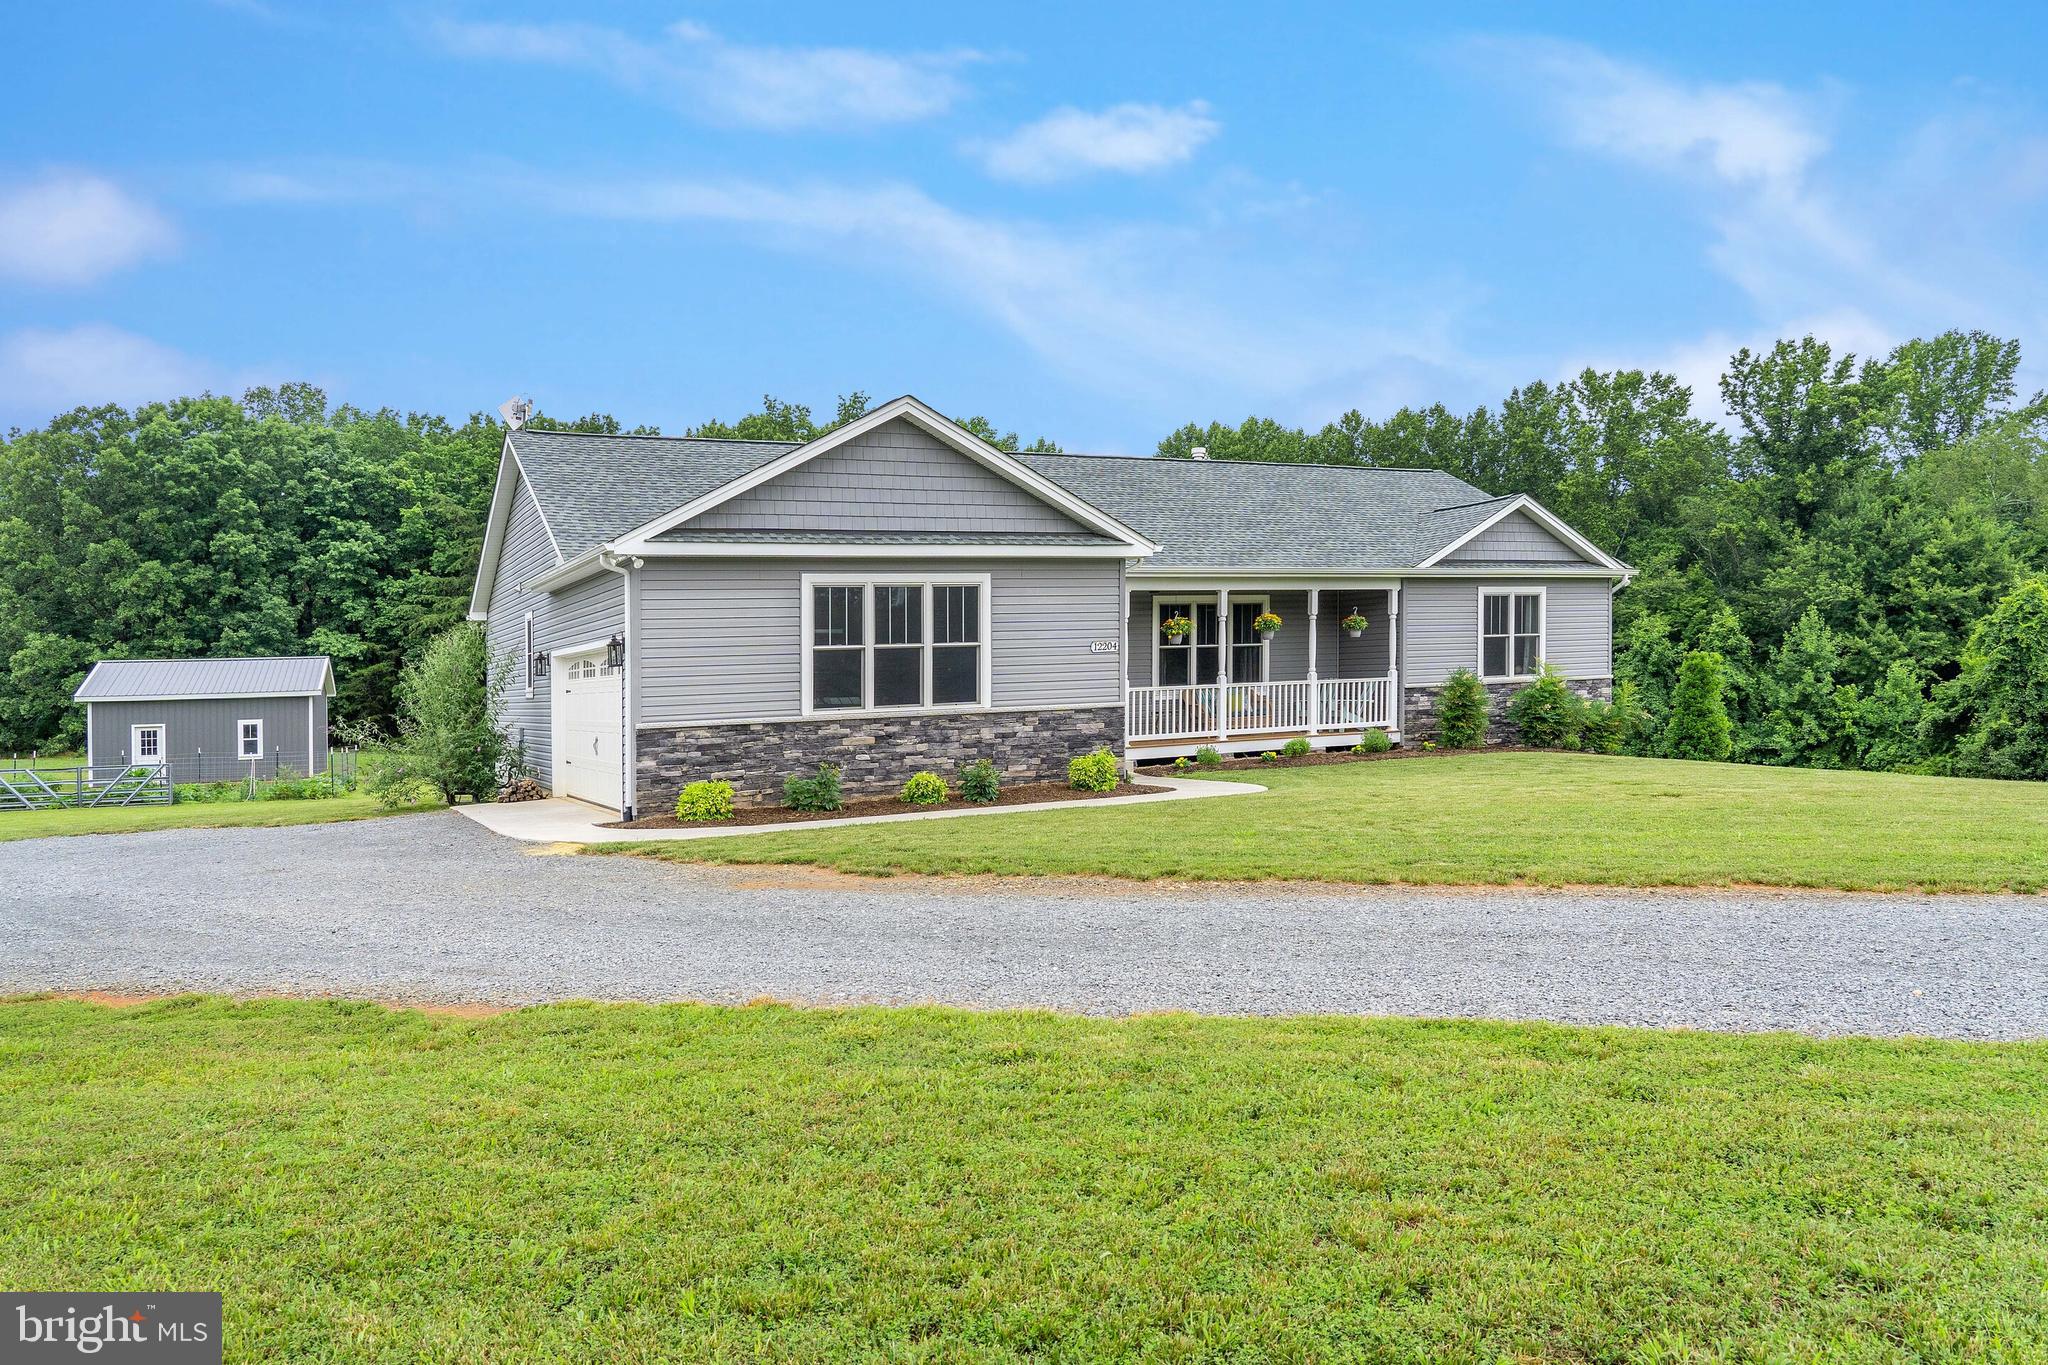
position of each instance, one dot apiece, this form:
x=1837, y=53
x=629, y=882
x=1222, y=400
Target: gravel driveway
x=432, y=908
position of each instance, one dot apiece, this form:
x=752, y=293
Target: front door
x=146, y=745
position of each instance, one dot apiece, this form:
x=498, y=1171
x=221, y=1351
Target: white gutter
x=629, y=695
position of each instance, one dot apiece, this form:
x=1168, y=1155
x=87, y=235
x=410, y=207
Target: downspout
x=629, y=695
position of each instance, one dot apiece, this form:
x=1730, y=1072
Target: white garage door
x=586, y=729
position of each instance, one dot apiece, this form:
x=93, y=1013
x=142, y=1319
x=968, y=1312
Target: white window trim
x=240, y=752
x=869, y=582
x=1479, y=632
x=1223, y=638
x=163, y=743
x=526, y=659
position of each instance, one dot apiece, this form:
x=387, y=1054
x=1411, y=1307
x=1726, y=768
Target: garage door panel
x=588, y=751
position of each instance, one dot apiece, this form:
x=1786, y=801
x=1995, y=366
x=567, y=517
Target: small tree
x=1462, y=711
x=1888, y=720
x=1996, y=710
x=1813, y=719
x=1699, y=726
x=451, y=735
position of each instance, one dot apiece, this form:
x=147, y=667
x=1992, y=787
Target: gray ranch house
x=899, y=595
x=209, y=719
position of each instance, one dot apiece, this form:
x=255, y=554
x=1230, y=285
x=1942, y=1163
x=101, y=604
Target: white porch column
x=1222, y=662
x=1394, y=705
x=1315, y=604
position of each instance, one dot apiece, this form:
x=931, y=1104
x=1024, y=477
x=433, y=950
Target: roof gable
x=895, y=479
x=166, y=679
x=1516, y=539
x=909, y=410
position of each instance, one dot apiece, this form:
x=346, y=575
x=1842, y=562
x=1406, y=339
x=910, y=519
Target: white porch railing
x=1220, y=710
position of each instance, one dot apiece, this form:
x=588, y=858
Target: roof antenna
x=516, y=410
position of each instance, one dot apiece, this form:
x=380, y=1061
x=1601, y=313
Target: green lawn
x=37, y=824
x=1553, y=819
x=635, y=1182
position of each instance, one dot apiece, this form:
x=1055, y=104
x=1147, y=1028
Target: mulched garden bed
x=1023, y=794
x=1321, y=757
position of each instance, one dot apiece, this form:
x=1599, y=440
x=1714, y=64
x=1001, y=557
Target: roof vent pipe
x=1199, y=453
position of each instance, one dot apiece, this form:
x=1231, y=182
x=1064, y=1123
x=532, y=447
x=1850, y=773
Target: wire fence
x=38, y=783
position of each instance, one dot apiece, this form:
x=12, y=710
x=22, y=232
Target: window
x=1510, y=634
x=1196, y=658
x=894, y=644
x=589, y=666
x=249, y=738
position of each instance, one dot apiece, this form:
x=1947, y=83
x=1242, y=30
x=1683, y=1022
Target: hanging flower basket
x=1267, y=625
x=1177, y=628
x=1354, y=625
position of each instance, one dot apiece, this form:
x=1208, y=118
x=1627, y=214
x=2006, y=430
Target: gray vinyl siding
x=1515, y=539
x=719, y=639
x=590, y=611
x=1440, y=626
x=210, y=729
x=1287, y=655
x=894, y=478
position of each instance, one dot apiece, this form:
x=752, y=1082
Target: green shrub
x=1548, y=714
x=296, y=789
x=1096, y=772
x=450, y=727
x=819, y=792
x=1374, y=742
x=705, y=801
x=1600, y=729
x=980, y=782
x=1462, y=711
x=1297, y=748
x=923, y=789
x=1181, y=764
x=1995, y=711
x=1207, y=757
x=1699, y=726
x=207, y=793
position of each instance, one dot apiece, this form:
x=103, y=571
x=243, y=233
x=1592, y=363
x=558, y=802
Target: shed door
x=585, y=700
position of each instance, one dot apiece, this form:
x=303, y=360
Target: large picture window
x=1510, y=633
x=895, y=644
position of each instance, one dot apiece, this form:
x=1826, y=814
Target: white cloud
x=1127, y=138
x=72, y=228
x=693, y=69
x=1940, y=232
x=43, y=372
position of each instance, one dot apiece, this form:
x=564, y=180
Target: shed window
x=249, y=738
x=895, y=644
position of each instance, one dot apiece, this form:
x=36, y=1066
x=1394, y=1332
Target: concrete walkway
x=560, y=821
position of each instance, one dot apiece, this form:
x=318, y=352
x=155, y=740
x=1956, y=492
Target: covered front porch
x=1220, y=684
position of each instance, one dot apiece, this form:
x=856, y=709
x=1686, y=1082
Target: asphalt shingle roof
x=1203, y=513
x=888, y=537
x=1253, y=515
x=593, y=488
x=151, y=679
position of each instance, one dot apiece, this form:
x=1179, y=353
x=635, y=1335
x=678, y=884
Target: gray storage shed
x=209, y=719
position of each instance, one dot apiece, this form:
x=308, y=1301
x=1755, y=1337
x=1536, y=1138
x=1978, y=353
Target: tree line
x=1837, y=542
x=1857, y=551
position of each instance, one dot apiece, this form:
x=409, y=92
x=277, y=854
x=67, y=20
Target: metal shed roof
x=165, y=679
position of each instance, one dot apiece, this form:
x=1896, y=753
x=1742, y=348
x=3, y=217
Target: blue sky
x=1091, y=222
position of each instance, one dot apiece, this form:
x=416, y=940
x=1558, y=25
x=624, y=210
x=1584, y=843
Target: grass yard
x=1552, y=819
x=636, y=1182
x=38, y=824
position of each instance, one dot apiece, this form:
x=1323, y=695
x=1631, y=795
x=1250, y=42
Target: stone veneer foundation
x=1418, y=707
x=874, y=753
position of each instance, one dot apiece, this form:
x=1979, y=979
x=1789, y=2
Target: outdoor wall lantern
x=615, y=652
x=539, y=667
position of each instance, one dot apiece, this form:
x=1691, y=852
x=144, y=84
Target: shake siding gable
x=587, y=612
x=1516, y=539
x=894, y=478
x=720, y=639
